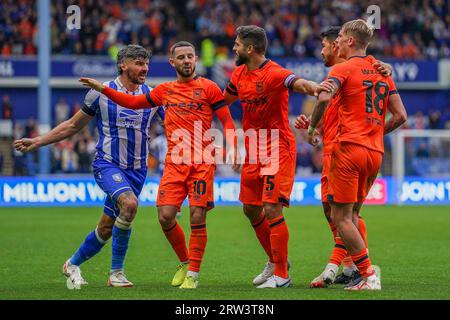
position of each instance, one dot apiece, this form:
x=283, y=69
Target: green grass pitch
x=410, y=244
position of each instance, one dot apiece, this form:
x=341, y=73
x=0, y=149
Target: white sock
x=192, y=274
x=348, y=271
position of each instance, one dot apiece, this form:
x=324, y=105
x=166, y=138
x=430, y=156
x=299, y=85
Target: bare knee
x=272, y=210
x=252, y=212
x=167, y=215
x=128, y=204
x=198, y=215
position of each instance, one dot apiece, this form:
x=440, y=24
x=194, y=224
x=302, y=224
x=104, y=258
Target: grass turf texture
x=410, y=244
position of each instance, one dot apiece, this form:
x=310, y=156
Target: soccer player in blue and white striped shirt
x=120, y=164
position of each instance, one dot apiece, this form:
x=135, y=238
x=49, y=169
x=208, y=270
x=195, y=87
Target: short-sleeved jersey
x=364, y=98
x=264, y=94
x=189, y=109
x=330, y=123
x=123, y=133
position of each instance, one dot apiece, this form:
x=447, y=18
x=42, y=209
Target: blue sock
x=120, y=236
x=89, y=248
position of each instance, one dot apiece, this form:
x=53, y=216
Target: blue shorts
x=114, y=181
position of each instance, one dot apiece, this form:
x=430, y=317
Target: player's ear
x=250, y=49
x=196, y=58
x=171, y=61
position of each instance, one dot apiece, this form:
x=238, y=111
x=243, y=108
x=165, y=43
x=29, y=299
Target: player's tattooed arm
x=64, y=130
x=323, y=99
x=399, y=116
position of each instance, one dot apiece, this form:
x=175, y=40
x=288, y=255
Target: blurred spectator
x=417, y=29
x=62, y=111
x=422, y=150
x=6, y=107
x=435, y=119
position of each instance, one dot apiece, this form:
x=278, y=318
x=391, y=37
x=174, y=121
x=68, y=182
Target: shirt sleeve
x=392, y=86
x=232, y=85
x=282, y=77
x=215, y=97
x=339, y=73
x=155, y=96
x=91, y=103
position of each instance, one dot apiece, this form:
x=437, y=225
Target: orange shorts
x=193, y=181
x=352, y=172
x=326, y=162
x=258, y=187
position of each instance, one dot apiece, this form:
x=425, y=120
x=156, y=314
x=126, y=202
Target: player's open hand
x=302, y=122
x=91, y=83
x=25, y=145
x=384, y=68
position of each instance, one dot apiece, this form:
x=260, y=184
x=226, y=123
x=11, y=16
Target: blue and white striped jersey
x=123, y=133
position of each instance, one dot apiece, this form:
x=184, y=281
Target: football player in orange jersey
x=329, y=127
x=262, y=86
x=358, y=149
x=190, y=103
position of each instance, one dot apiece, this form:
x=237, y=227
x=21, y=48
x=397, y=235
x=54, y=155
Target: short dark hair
x=132, y=51
x=253, y=35
x=180, y=44
x=330, y=33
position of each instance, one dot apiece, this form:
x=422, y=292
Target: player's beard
x=135, y=78
x=241, y=59
x=185, y=73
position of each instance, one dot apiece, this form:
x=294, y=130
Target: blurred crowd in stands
x=417, y=29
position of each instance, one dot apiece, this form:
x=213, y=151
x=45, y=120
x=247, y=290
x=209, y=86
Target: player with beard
x=329, y=132
x=190, y=103
x=262, y=86
x=120, y=164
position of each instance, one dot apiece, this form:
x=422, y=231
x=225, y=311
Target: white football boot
x=276, y=282
x=370, y=283
x=267, y=273
x=118, y=279
x=73, y=274
x=326, y=277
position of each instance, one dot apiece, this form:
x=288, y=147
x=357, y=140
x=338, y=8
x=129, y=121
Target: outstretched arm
x=122, y=99
x=62, y=131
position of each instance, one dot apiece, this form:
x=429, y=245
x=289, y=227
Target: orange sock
x=279, y=237
x=197, y=245
x=362, y=262
x=176, y=238
x=362, y=230
x=339, y=252
x=263, y=234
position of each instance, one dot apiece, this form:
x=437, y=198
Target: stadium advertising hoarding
x=67, y=191
x=405, y=71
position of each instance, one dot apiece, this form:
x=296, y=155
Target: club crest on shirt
x=117, y=177
x=197, y=93
x=259, y=86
